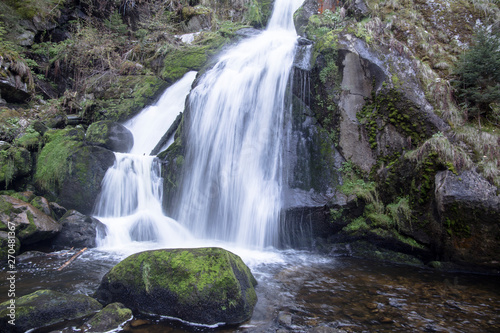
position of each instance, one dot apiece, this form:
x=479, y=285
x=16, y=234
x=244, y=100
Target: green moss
x=97, y=132
x=391, y=107
x=190, y=274
x=356, y=225
x=126, y=96
x=30, y=140
x=191, y=57
x=53, y=163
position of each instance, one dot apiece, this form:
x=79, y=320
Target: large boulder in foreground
x=43, y=308
x=208, y=286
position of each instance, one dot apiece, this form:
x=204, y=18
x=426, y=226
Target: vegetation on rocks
x=204, y=285
x=448, y=53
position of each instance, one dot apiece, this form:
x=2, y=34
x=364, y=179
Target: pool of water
x=305, y=292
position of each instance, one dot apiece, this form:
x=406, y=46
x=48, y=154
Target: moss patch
x=53, y=162
x=191, y=57
x=127, y=95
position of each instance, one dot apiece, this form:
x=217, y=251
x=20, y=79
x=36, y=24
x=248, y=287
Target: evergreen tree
x=478, y=76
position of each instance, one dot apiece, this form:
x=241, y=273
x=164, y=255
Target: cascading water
x=232, y=184
x=233, y=180
x=130, y=201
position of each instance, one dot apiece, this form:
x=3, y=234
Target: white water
x=232, y=188
x=130, y=201
x=231, y=195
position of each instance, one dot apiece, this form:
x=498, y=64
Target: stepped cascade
x=130, y=201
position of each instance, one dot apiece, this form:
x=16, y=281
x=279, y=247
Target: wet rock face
x=44, y=308
x=78, y=230
x=69, y=172
x=208, y=286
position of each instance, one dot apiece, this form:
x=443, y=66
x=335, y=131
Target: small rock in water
x=285, y=319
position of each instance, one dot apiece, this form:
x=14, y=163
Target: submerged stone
x=207, y=286
x=111, y=317
x=43, y=308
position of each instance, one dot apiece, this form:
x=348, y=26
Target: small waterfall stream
x=130, y=201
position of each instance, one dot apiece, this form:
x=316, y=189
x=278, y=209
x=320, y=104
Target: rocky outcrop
x=110, y=135
x=16, y=82
x=78, y=230
x=31, y=225
x=44, y=308
x=469, y=210
x=208, y=286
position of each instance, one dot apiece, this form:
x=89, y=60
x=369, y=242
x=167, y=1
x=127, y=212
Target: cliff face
x=413, y=171
x=383, y=149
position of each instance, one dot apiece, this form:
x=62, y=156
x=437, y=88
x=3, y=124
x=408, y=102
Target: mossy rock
x=110, y=135
x=69, y=172
x=31, y=225
x=43, y=308
x=192, y=57
x=110, y=318
x=208, y=286
x=126, y=97
x=30, y=140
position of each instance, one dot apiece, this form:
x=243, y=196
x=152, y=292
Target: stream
x=303, y=292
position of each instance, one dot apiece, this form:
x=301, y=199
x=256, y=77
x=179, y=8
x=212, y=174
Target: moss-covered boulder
x=208, y=286
x=78, y=230
x=111, y=317
x=43, y=308
x=191, y=57
x=110, y=135
x=31, y=225
x=70, y=172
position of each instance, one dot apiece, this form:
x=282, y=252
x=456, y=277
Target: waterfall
x=233, y=179
x=130, y=201
x=233, y=176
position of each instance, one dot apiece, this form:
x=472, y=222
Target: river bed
x=305, y=292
